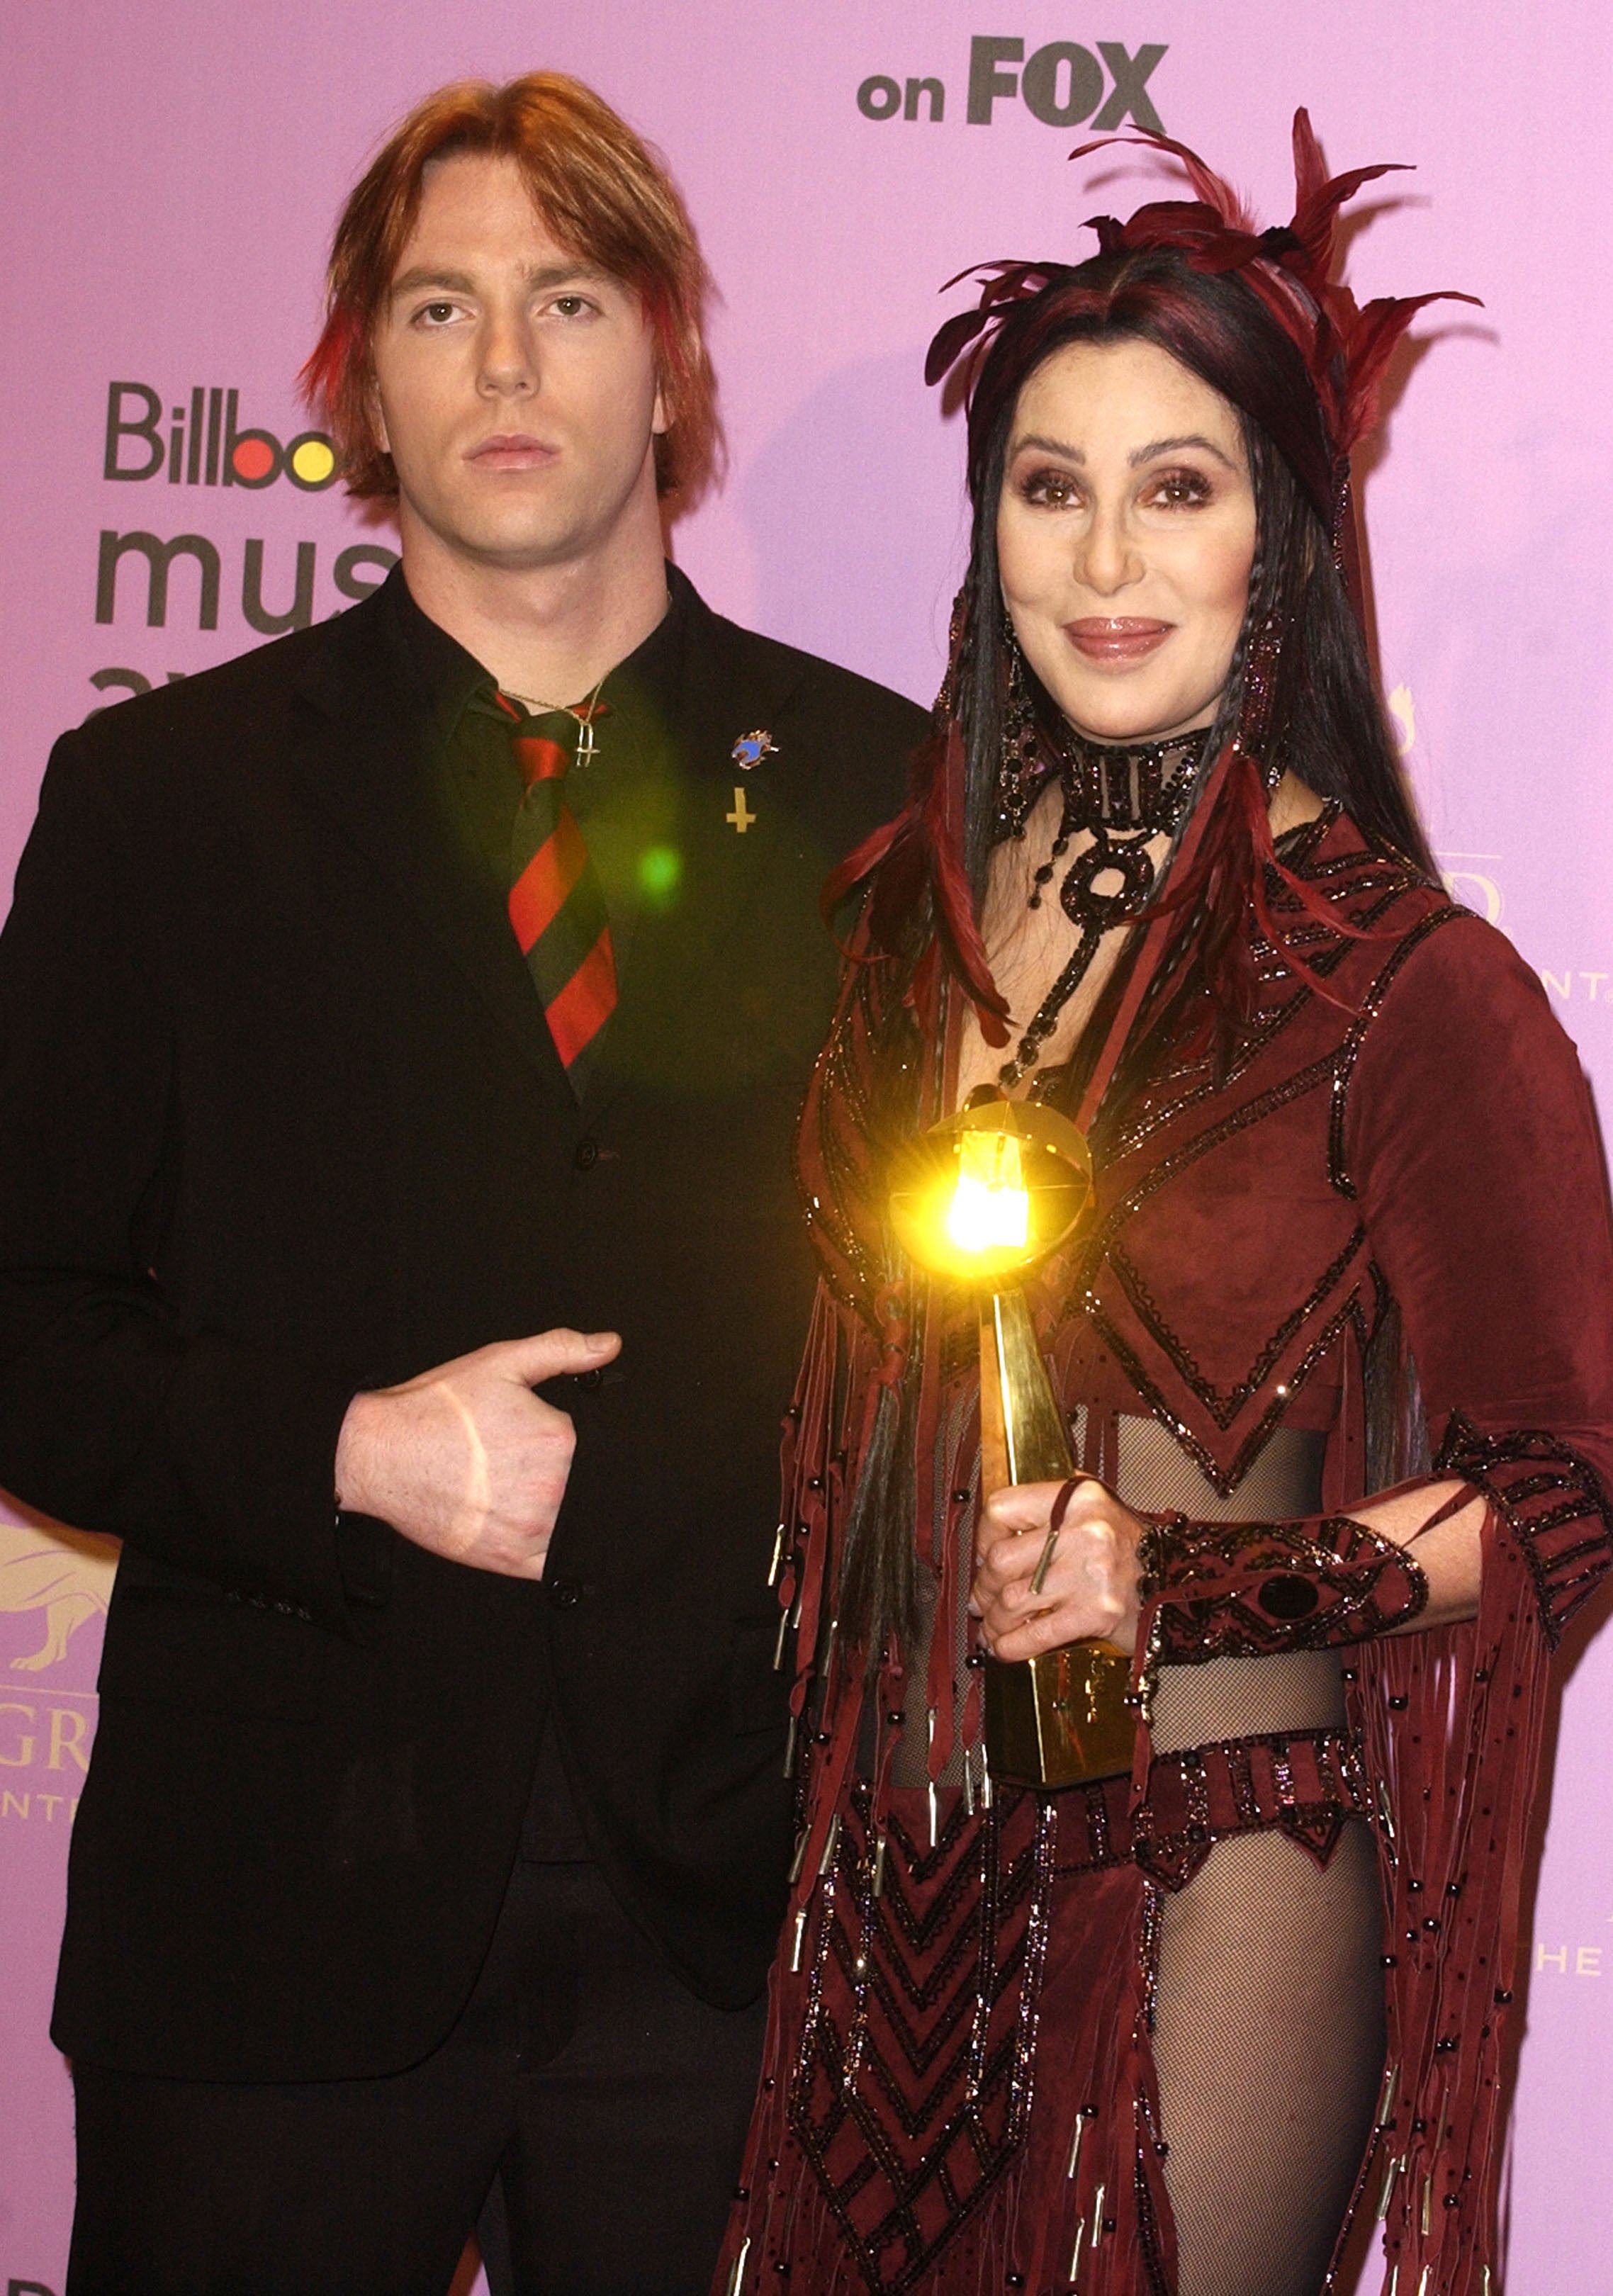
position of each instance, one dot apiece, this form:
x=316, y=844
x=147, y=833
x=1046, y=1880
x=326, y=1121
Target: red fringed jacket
x=1423, y=1147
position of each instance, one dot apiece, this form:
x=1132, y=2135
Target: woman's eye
x=436, y=315
x=1050, y=489
x=571, y=307
x=1178, y=490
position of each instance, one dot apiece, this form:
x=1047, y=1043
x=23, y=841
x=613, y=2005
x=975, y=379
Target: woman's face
x=1126, y=533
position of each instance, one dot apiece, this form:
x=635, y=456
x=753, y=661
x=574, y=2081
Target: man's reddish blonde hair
x=602, y=192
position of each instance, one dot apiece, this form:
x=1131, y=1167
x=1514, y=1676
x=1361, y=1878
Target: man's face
x=515, y=383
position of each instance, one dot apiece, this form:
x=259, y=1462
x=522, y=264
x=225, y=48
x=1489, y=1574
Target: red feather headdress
x=1346, y=349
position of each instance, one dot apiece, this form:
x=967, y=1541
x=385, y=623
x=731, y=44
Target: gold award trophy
x=983, y=1198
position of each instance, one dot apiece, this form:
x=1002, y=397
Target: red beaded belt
x=1301, y=1783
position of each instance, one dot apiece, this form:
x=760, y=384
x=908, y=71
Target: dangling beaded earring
x=1253, y=735
x=1024, y=767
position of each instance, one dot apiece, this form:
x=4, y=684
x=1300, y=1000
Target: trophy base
x=1061, y=1719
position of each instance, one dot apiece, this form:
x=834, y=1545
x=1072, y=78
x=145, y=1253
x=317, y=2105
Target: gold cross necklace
x=585, y=712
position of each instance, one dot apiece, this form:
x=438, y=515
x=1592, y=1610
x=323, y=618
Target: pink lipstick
x=1118, y=638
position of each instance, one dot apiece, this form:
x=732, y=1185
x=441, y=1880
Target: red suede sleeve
x=1470, y=1141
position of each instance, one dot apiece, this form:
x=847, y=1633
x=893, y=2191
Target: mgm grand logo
x=65, y=1576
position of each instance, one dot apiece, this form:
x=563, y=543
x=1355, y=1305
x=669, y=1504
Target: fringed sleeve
x=1472, y=1148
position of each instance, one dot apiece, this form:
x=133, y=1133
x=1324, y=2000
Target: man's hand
x=465, y=1460
x=1091, y=1586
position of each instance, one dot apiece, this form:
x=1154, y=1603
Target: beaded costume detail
x=1214, y=1590
x=960, y=2092
x=945, y=1940
x=1118, y=797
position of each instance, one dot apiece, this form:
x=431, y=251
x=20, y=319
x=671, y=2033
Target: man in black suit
x=405, y=1017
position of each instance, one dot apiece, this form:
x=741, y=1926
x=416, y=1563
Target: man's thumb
x=549, y=1355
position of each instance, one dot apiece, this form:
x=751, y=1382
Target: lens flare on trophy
x=987, y=1194
x=991, y=1204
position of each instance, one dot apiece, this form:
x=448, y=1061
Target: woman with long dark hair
x=1336, y=1351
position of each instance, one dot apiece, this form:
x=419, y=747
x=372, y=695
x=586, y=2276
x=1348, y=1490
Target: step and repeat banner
x=172, y=173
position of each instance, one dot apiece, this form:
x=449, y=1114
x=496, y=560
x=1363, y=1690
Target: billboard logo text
x=205, y=443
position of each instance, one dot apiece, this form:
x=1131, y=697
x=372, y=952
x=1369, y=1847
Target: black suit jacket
x=280, y=1118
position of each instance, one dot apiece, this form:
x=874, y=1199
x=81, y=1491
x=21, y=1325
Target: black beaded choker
x=1123, y=795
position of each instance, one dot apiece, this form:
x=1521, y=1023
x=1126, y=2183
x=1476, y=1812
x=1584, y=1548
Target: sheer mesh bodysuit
x=1268, y=2034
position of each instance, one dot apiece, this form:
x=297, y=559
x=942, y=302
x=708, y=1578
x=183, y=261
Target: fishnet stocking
x=1268, y=2042
x=1268, y=2033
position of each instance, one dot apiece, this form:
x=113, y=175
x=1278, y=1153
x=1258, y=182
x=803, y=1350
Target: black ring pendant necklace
x=1124, y=795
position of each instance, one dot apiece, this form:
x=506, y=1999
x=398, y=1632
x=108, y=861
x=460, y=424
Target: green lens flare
x=661, y=870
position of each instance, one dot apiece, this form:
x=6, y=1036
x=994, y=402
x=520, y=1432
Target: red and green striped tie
x=556, y=906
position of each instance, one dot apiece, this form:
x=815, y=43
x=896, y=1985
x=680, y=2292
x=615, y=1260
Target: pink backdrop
x=172, y=172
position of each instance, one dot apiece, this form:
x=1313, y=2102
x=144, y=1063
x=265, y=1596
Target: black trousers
x=610, y=2104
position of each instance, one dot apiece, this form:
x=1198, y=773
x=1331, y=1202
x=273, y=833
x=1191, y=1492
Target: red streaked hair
x=604, y=194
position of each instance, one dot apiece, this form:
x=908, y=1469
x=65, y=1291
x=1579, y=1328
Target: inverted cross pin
x=742, y=816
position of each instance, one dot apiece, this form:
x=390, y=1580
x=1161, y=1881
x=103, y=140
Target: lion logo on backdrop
x=66, y=1576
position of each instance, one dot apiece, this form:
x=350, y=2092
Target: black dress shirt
x=619, y=798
